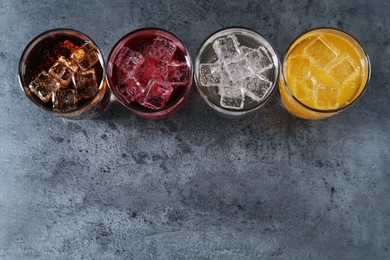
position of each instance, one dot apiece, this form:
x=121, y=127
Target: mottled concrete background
x=195, y=186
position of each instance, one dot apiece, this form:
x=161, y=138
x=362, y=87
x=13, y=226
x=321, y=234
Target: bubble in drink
x=43, y=86
x=86, y=56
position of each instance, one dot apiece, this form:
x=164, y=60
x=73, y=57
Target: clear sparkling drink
x=236, y=71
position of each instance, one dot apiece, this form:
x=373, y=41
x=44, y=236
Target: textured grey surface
x=195, y=186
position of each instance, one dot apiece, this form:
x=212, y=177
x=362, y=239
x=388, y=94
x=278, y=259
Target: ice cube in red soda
x=162, y=49
x=178, y=73
x=129, y=90
x=128, y=62
x=156, y=94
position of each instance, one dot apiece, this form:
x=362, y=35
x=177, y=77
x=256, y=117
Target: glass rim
x=241, y=111
x=147, y=111
x=48, y=33
x=326, y=111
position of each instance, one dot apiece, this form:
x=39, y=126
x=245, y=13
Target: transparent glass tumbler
x=62, y=71
x=236, y=71
x=325, y=70
x=150, y=72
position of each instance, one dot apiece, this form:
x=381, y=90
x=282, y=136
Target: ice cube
x=129, y=90
x=85, y=83
x=244, y=49
x=43, y=86
x=298, y=66
x=64, y=99
x=86, y=56
x=259, y=60
x=239, y=69
x=351, y=84
x=226, y=47
x=63, y=71
x=69, y=46
x=162, y=49
x=232, y=96
x=258, y=87
x=304, y=88
x=178, y=73
x=344, y=69
x=210, y=74
x=128, y=61
x=156, y=94
x=152, y=69
x=327, y=97
x=321, y=52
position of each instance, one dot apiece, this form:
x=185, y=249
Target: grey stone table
x=195, y=186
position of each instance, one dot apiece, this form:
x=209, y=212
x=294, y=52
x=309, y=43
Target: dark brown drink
x=63, y=71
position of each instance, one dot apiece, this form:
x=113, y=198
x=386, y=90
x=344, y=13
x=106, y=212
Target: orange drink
x=324, y=71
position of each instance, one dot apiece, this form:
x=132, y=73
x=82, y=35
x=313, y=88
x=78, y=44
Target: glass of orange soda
x=325, y=70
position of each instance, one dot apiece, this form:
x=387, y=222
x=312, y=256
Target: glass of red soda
x=150, y=72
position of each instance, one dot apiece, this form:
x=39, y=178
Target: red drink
x=150, y=72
